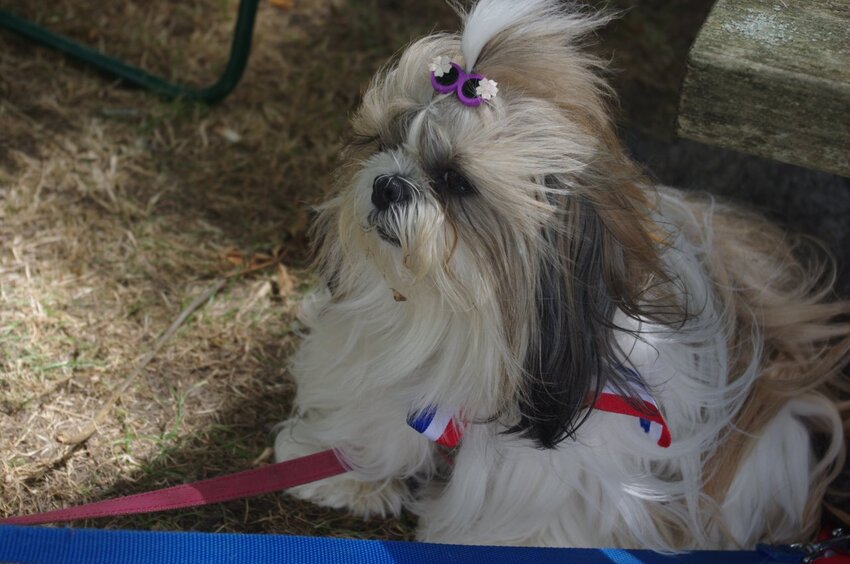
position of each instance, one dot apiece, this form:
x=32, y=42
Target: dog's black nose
x=389, y=190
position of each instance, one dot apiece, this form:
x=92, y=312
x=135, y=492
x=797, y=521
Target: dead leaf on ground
x=234, y=257
x=284, y=279
x=282, y=4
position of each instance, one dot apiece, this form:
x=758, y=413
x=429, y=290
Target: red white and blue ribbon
x=445, y=428
x=439, y=425
x=641, y=406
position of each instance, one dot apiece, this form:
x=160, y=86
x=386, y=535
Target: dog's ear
x=594, y=262
x=570, y=346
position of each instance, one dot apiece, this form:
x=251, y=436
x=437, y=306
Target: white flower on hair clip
x=440, y=66
x=487, y=89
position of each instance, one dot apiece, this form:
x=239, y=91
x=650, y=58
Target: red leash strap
x=239, y=485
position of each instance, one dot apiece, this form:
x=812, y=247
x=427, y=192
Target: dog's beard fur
x=517, y=298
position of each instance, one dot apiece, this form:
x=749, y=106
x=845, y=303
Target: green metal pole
x=239, y=51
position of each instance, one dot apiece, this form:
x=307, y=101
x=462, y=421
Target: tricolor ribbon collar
x=446, y=428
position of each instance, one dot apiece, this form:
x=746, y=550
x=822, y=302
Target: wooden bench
x=772, y=78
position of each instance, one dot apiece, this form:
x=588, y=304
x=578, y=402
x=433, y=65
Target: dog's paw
x=362, y=498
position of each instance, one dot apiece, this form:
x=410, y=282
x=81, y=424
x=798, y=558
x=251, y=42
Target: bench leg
x=239, y=51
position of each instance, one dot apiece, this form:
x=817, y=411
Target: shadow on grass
x=290, y=114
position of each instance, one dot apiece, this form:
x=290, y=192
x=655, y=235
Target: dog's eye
x=452, y=182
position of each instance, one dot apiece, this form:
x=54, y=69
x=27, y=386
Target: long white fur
x=368, y=360
x=359, y=369
x=599, y=491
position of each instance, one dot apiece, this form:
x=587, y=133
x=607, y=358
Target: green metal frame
x=239, y=51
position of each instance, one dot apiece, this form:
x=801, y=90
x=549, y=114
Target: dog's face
x=453, y=197
x=522, y=210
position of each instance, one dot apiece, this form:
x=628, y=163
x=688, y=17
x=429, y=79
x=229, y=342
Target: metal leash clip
x=838, y=538
x=808, y=552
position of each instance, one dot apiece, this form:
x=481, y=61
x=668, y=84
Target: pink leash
x=247, y=483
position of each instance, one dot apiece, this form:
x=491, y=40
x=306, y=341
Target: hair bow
x=471, y=89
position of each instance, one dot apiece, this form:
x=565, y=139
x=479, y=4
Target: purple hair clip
x=471, y=89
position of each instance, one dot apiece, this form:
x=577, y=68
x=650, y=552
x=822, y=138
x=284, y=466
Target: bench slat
x=772, y=78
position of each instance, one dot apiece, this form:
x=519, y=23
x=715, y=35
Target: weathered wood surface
x=772, y=78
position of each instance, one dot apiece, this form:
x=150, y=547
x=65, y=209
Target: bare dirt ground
x=118, y=209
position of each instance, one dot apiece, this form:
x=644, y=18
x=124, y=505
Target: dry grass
x=117, y=208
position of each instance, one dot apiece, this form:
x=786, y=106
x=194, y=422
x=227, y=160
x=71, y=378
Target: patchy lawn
x=118, y=208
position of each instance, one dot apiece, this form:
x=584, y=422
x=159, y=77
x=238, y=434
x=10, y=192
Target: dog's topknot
x=539, y=19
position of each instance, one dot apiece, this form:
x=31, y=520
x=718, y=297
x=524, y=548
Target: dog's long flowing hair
x=535, y=260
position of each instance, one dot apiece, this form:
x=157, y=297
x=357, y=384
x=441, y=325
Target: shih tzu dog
x=523, y=341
